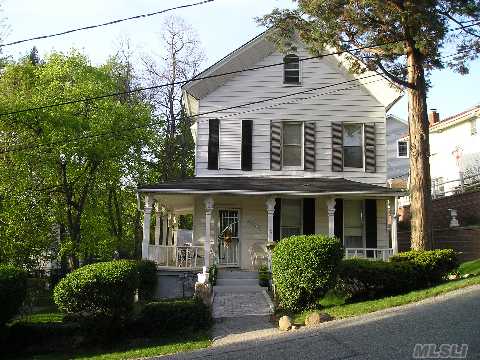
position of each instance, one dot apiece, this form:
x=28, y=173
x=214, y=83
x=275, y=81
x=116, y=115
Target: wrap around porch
x=234, y=225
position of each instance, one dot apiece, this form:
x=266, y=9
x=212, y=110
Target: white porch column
x=393, y=229
x=147, y=213
x=158, y=219
x=164, y=226
x=170, y=229
x=270, y=211
x=331, y=216
x=208, y=219
x=174, y=228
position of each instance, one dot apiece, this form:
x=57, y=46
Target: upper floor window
x=291, y=69
x=473, y=127
x=353, y=145
x=402, y=149
x=292, y=145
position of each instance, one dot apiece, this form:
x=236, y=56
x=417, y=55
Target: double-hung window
x=291, y=217
x=292, y=145
x=353, y=145
x=291, y=69
x=402, y=149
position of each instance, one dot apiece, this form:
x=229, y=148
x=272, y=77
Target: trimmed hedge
x=13, y=289
x=170, y=315
x=103, y=289
x=304, y=268
x=361, y=279
x=147, y=279
x=436, y=264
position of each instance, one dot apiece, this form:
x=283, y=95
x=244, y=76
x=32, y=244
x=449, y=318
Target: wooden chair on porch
x=258, y=254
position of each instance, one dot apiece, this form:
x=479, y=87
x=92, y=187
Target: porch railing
x=369, y=253
x=189, y=257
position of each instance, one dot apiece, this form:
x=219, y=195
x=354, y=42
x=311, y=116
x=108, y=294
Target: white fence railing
x=189, y=257
x=448, y=188
x=369, y=253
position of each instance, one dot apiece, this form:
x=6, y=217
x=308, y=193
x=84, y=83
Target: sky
x=222, y=26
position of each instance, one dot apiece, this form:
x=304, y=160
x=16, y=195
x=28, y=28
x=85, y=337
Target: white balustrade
x=369, y=253
x=171, y=256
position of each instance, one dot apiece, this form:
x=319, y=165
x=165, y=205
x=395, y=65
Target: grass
x=139, y=348
x=349, y=310
x=470, y=267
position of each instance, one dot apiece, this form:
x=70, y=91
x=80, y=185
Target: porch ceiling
x=269, y=186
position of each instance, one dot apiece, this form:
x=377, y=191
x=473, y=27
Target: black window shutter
x=247, y=132
x=276, y=146
x=309, y=145
x=337, y=146
x=276, y=219
x=338, y=218
x=371, y=224
x=370, y=151
x=213, y=145
x=308, y=216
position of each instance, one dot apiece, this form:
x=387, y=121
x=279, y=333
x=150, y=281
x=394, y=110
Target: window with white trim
x=291, y=218
x=292, y=145
x=291, y=69
x=353, y=145
x=402, y=149
x=473, y=127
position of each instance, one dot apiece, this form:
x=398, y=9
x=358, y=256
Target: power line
x=103, y=134
x=108, y=133
x=89, y=27
x=183, y=82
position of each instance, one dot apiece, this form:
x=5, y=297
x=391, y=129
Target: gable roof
x=250, y=53
x=456, y=119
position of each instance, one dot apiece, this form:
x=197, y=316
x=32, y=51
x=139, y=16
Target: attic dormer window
x=291, y=69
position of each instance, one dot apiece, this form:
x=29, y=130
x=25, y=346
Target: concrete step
x=236, y=274
x=238, y=289
x=237, y=282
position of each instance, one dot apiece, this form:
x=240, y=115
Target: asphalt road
x=390, y=334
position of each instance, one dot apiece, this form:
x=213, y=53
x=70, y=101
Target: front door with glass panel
x=353, y=224
x=228, y=240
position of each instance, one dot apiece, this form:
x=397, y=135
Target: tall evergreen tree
x=414, y=34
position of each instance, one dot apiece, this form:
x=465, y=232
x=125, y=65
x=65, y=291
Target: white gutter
x=248, y=192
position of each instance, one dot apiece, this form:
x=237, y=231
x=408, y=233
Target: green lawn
x=470, y=267
x=139, y=348
x=348, y=310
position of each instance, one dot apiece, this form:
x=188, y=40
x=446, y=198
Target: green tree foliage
x=62, y=192
x=415, y=33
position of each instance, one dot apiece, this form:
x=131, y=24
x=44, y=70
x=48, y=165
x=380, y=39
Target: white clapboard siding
x=350, y=105
x=230, y=155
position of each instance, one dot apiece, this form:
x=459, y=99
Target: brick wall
x=466, y=204
x=465, y=239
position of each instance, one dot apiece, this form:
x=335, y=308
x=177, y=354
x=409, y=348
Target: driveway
x=390, y=334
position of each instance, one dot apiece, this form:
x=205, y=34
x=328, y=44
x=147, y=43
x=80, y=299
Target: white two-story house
x=292, y=146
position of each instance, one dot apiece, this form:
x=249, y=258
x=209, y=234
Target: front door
x=228, y=240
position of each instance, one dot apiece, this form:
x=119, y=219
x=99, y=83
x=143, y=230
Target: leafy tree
x=60, y=187
x=415, y=34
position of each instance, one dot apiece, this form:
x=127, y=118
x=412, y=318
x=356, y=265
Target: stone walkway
x=241, y=311
x=237, y=304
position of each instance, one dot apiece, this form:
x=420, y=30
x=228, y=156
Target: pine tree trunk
x=420, y=183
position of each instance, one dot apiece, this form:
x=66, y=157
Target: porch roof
x=269, y=186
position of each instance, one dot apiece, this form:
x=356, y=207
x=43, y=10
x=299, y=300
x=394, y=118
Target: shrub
x=147, y=279
x=103, y=289
x=361, y=279
x=263, y=276
x=212, y=275
x=170, y=315
x=436, y=264
x=304, y=268
x=13, y=289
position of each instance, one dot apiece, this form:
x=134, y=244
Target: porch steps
x=238, y=294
